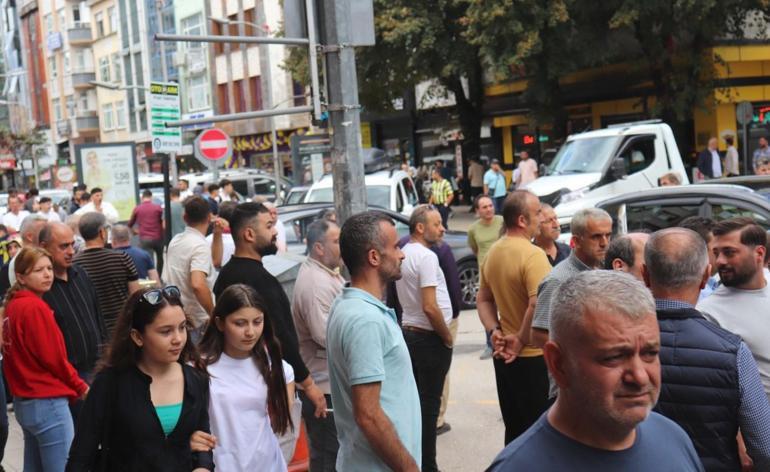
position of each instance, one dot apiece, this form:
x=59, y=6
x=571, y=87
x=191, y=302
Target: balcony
x=82, y=78
x=87, y=121
x=80, y=34
x=63, y=128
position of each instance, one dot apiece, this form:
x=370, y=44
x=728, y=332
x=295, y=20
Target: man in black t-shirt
x=255, y=236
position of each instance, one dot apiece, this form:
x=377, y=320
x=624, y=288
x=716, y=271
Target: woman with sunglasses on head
x=147, y=399
x=39, y=376
x=251, y=387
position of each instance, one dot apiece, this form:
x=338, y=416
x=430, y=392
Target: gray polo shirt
x=566, y=269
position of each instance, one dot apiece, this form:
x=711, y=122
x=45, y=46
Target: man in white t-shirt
x=527, y=170
x=46, y=210
x=740, y=304
x=15, y=216
x=427, y=313
x=97, y=203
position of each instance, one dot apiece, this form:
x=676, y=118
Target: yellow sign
x=366, y=135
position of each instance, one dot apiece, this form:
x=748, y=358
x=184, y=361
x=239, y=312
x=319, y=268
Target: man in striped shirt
x=441, y=195
x=113, y=273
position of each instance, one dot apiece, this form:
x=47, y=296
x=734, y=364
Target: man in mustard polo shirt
x=510, y=276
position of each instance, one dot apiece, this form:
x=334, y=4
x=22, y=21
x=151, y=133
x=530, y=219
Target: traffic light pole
x=344, y=110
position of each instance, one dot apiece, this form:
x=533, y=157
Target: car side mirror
x=618, y=168
x=542, y=170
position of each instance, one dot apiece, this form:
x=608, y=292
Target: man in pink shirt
x=527, y=170
x=149, y=217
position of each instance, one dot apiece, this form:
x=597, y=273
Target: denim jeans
x=430, y=364
x=48, y=432
x=321, y=435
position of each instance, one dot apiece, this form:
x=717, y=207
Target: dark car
x=663, y=207
x=758, y=183
x=296, y=219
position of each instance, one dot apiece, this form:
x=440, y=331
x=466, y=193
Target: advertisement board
x=111, y=167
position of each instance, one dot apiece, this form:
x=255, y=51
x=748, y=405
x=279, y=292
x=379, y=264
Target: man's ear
x=706, y=277
x=373, y=257
x=554, y=359
x=618, y=264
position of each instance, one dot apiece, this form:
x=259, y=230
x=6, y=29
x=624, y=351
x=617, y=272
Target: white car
x=391, y=189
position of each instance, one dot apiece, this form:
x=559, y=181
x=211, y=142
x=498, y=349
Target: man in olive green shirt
x=486, y=230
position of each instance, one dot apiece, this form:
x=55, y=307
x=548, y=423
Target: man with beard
x=427, y=313
x=548, y=241
x=254, y=233
x=603, y=354
x=377, y=408
x=740, y=304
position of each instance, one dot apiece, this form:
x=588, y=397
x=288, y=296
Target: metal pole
x=276, y=161
x=164, y=66
x=347, y=164
x=166, y=197
x=747, y=165
x=248, y=115
x=313, y=57
x=231, y=39
x=266, y=71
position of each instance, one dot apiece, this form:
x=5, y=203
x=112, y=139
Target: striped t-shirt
x=440, y=191
x=110, y=271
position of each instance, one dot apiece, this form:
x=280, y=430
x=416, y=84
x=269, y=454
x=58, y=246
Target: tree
x=24, y=145
x=419, y=40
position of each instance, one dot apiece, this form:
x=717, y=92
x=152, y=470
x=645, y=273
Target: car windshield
x=582, y=156
x=376, y=195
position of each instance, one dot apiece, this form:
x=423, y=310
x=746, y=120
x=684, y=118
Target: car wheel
x=468, y=271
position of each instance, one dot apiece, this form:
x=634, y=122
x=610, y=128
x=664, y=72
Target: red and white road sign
x=214, y=145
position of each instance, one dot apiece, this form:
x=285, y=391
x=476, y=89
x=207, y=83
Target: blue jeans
x=48, y=432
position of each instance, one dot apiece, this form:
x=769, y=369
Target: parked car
x=296, y=195
x=296, y=219
x=247, y=183
x=593, y=166
x=392, y=189
x=758, y=183
x=651, y=210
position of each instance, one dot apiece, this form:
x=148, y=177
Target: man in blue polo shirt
x=495, y=185
x=377, y=408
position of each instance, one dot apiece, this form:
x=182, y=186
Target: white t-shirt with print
x=239, y=420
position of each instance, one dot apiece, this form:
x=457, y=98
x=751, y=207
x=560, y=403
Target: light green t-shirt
x=482, y=236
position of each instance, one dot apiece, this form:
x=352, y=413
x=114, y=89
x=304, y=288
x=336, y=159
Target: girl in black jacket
x=147, y=400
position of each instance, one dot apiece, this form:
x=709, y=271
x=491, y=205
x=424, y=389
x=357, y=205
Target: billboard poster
x=111, y=167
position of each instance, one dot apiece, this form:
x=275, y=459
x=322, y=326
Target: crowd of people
x=711, y=165
x=635, y=352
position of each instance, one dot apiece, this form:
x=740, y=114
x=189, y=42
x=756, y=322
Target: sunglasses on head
x=155, y=296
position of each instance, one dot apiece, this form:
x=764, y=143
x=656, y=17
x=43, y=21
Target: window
x=76, y=14
x=48, y=23
x=241, y=187
x=193, y=26
x=83, y=99
x=104, y=68
x=80, y=60
x=112, y=17
x=726, y=210
x=197, y=93
x=248, y=19
x=116, y=68
x=66, y=57
x=223, y=98
x=216, y=30
x=99, y=22
x=652, y=216
x=120, y=114
x=70, y=105
x=107, y=117
x=240, y=103
x=411, y=192
x=56, y=109
x=638, y=154
x=255, y=83
x=52, y=66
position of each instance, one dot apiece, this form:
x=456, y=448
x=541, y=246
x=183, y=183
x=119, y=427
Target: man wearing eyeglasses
x=547, y=240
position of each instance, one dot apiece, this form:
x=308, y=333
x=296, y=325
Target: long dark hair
x=266, y=352
x=122, y=353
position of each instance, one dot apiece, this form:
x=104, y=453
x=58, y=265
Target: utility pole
x=344, y=110
x=159, y=4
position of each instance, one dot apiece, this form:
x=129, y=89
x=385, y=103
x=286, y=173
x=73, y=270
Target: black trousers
x=444, y=212
x=430, y=364
x=321, y=435
x=522, y=390
x=156, y=246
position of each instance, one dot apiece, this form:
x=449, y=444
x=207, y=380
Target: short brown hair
x=751, y=233
x=196, y=209
x=515, y=205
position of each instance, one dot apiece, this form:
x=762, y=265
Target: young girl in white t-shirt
x=251, y=388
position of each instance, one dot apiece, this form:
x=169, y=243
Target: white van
x=391, y=189
x=593, y=166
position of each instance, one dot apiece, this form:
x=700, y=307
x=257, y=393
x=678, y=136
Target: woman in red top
x=39, y=376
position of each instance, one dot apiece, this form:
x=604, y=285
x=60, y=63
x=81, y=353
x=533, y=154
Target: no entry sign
x=213, y=145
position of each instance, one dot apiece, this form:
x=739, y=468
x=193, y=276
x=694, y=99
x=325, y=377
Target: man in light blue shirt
x=377, y=408
x=495, y=185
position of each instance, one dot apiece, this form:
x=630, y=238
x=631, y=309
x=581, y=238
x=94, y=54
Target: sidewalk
x=14, y=449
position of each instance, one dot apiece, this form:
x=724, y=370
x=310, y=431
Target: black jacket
x=705, y=165
x=120, y=402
